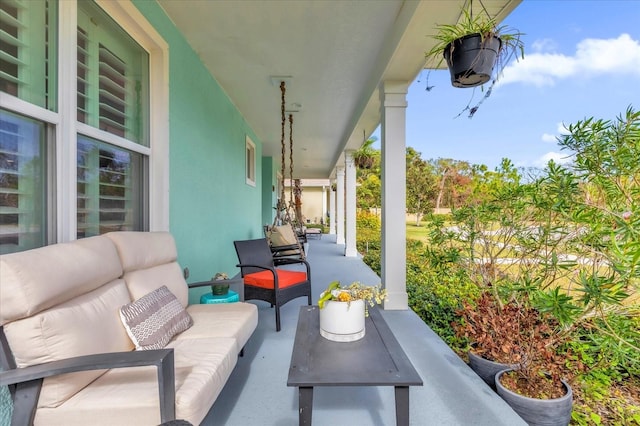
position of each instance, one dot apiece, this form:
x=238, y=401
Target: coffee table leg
x=305, y=404
x=402, y=405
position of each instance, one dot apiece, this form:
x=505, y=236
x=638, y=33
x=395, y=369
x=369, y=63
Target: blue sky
x=582, y=59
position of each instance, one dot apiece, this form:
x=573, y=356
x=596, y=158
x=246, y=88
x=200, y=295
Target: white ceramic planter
x=342, y=321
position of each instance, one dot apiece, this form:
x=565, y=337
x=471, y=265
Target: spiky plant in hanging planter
x=476, y=49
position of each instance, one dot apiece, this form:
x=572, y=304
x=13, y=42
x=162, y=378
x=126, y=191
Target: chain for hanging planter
x=291, y=205
x=282, y=146
x=281, y=204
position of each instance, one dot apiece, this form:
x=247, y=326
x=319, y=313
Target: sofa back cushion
x=38, y=279
x=149, y=260
x=85, y=325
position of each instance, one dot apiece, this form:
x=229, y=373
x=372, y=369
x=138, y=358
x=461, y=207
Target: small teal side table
x=230, y=297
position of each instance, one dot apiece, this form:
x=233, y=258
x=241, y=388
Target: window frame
x=62, y=193
x=250, y=161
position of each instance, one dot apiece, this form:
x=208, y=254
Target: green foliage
x=421, y=184
x=565, y=239
x=368, y=192
x=367, y=160
x=368, y=239
x=436, y=298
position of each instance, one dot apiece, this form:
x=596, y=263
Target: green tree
x=368, y=192
x=421, y=184
x=454, y=182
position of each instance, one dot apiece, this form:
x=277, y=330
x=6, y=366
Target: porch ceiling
x=336, y=53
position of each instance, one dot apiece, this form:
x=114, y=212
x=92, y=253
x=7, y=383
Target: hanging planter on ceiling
x=475, y=48
x=471, y=59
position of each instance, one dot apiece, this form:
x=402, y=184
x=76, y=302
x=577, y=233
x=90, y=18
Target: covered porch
x=257, y=392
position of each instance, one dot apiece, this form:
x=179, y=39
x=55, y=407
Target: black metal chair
x=263, y=281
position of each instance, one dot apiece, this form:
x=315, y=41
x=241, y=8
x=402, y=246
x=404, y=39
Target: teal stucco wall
x=211, y=205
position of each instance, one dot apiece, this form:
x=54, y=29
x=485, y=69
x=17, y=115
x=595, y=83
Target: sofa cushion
x=264, y=279
x=154, y=319
x=237, y=320
x=149, y=262
x=64, y=271
x=145, y=281
x=88, y=324
x=129, y=396
x=141, y=250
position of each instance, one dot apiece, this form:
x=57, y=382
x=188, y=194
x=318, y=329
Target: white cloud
x=593, y=56
x=557, y=157
x=544, y=45
x=562, y=129
x=553, y=138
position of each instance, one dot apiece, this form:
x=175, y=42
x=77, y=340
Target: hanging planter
x=471, y=59
x=476, y=49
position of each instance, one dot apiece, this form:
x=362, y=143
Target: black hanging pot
x=471, y=59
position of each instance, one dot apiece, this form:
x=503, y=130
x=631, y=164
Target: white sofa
x=64, y=301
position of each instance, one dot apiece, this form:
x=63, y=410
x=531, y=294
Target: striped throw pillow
x=154, y=319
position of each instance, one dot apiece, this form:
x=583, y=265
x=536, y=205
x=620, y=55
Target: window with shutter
x=27, y=50
x=112, y=77
x=250, y=160
x=105, y=132
x=22, y=183
x=112, y=95
x=109, y=188
x=27, y=71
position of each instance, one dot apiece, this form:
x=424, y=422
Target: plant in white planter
x=476, y=49
x=343, y=310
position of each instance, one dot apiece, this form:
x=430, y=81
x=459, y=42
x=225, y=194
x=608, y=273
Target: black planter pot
x=538, y=412
x=471, y=60
x=486, y=369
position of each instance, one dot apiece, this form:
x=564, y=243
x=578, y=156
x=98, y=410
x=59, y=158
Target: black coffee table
x=375, y=360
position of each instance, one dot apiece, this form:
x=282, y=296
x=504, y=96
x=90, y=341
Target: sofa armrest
x=28, y=380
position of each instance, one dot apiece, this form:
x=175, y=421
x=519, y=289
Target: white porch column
x=332, y=210
x=340, y=205
x=393, y=100
x=350, y=249
x=324, y=205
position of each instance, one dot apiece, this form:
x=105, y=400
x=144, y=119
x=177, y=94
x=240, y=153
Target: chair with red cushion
x=263, y=281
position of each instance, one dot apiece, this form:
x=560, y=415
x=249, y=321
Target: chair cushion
x=264, y=279
x=154, y=319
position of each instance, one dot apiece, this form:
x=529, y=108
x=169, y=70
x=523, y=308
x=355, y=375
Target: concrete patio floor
x=257, y=392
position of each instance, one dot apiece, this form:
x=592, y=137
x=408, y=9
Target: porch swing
x=284, y=238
